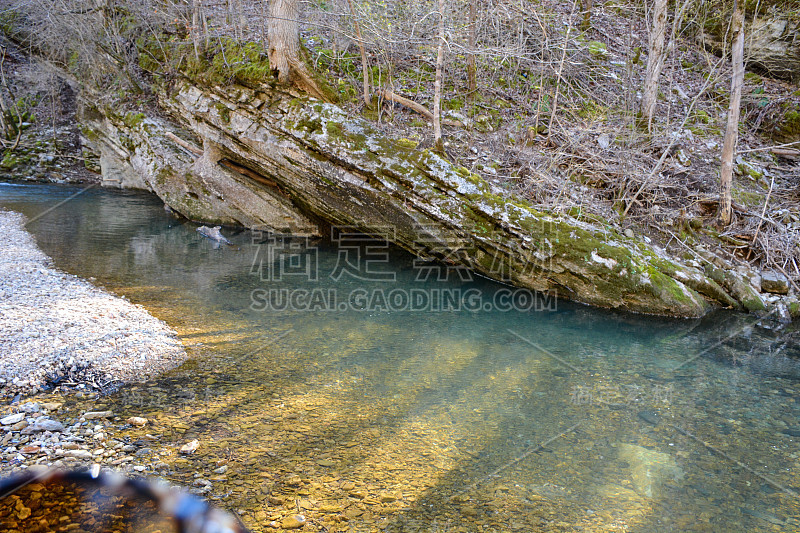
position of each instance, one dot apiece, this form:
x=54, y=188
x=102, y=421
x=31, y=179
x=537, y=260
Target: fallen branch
x=773, y=148
x=786, y=152
x=180, y=142
x=386, y=94
x=788, y=277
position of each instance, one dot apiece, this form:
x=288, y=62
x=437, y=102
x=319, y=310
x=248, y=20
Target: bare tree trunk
x=10, y=112
x=586, y=23
x=472, y=70
x=283, y=32
x=284, y=38
x=437, y=86
x=364, y=65
x=196, y=24
x=558, y=75
x=6, y=130
x=732, y=128
x=655, y=62
x=236, y=18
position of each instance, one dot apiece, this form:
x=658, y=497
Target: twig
x=763, y=212
x=664, y=155
x=765, y=148
x=788, y=277
x=560, y=70
x=699, y=257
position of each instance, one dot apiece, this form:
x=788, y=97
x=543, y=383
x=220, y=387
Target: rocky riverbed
x=64, y=341
x=51, y=433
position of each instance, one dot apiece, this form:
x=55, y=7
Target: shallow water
x=399, y=403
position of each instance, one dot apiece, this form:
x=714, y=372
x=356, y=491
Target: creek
x=346, y=381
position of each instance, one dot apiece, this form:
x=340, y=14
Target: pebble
x=190, y=447
x=30, y=408
x=651, y=417
x=12, y=419
x=94, y=415
x=295, y=521
x=469, y=511
x=44, y=424
x=78, y=454
x=137, y=421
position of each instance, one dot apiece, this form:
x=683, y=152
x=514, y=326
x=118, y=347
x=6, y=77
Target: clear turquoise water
x=557, y=419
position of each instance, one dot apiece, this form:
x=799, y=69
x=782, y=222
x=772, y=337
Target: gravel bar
x=58, y=328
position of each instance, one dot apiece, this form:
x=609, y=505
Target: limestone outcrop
x=772, y=31
x=277, y=161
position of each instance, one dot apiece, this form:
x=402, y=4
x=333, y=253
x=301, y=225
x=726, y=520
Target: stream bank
x=65, y=342
x=60, y=330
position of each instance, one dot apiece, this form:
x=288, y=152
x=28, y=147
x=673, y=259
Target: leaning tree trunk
x=655, y=62
x=732, y=128
x=283, y=32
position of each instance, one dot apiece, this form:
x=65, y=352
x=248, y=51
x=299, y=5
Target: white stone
x=190, y=447
x=12, y=419
x=78, y=454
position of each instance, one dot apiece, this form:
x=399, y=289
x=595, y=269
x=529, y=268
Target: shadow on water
x=486, y=420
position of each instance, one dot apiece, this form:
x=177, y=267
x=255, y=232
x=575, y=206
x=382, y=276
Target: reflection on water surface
x=360, y=417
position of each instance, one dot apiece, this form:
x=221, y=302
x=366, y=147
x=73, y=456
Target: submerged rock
x=213, y=233
x=651, y=417
x=649, y=469
x=94, y=415
x=293, y=522
x=137, y=421
x=190, y=447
